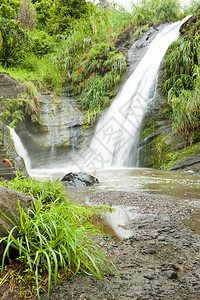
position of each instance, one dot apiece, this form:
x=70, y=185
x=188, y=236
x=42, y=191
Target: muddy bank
x=160, y=261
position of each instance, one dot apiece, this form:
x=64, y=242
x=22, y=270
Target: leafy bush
x=41, y=42
x=15, y=42
x=9, y=8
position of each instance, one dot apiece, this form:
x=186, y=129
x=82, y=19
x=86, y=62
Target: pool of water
x=178, y=186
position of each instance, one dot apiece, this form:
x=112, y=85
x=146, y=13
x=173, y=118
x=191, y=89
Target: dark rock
x=9, y=87
x=79, y=179
x=170, y=274
x=9, y=206
x=187, y=164
x=187, y=244
x=149, y=276
x=149, y=251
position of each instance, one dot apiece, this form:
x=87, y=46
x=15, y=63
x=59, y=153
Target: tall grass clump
x=48, y=190
x=190, y=7
x=55, y=235
x=182, y=82
x=155, y=11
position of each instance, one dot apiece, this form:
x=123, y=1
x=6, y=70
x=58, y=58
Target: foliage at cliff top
x=62, y=44
x=182, y=81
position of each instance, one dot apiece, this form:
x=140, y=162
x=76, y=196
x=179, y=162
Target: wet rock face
x=9, y=206
x=79, y=179
x=9, y=87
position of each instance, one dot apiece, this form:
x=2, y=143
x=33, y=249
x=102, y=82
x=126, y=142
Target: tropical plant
x=97, y=75
x=15, y=110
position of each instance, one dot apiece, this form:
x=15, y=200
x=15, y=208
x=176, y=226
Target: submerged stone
x=77, y=179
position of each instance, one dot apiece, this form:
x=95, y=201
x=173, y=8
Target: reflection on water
x=118, y=218
x=194, y=222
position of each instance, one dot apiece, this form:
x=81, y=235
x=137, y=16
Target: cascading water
x=115, y=139
x=116, y=134
x=20, y=148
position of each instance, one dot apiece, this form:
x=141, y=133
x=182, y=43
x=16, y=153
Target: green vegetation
x=51, y=49
x=14, y=110
x=182, y=82
x=55, y=235
x=155, y=12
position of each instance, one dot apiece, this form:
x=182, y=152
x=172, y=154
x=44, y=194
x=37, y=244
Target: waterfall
x=20, y=148
x=117, y=131
x=114, y=144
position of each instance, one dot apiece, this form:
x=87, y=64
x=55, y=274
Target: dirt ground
x=161, y=261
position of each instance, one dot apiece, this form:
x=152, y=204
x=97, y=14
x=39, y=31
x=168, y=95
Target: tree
x=15, y=42
x=64, y=12
x=9, y=8
x=44, y=12
x=27, y=14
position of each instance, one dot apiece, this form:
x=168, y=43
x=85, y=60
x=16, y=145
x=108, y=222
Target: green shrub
x=41, y=42
x=15, y=42
x=182, y=82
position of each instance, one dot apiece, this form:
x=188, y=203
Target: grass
x=155, y=12
x=55, y=235
x=182, y=83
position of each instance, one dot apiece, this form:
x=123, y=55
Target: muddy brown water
x=175, y=187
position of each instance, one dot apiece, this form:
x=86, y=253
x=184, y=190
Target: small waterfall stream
x=20, y=148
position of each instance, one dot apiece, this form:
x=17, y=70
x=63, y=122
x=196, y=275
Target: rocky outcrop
x=192, y=20
x=78, y=179
x=159, y=147
x=9, y=87
x=187, y=164
x=9, y=206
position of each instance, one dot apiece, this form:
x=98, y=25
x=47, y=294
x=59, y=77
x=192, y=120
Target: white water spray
x=20, y=148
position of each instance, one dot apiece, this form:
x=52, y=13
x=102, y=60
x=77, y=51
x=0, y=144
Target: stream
x=175, y=189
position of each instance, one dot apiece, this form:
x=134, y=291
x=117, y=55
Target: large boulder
x=78, y=179
x=9, y=206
